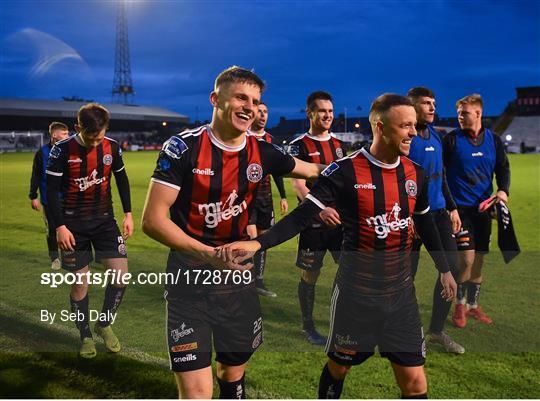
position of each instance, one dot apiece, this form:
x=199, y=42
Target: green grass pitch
x=39, y=360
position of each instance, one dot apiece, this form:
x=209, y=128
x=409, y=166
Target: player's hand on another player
x=283, y=206
x=330, y=217
x=238, y=253
x=65, y=239
x=456, y=221
x=449, y=286
x=35, y=204
x=127, y=226
x=502, y=197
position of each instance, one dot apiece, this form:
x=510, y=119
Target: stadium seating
x=524, y=129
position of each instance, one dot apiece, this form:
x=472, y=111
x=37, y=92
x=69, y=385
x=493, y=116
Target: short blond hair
x=475, y=98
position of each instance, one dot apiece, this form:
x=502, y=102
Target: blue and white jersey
x=427, y=152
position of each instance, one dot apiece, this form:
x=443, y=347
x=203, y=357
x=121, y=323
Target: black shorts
x=101, y=234
x=358, y=323
x=314, y=243
x=475, y=231
x=232, y=320
x=262, y=216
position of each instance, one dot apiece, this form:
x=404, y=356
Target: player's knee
x=230, y=373
x=415, y=384
x=338, y=371
x=310, y=277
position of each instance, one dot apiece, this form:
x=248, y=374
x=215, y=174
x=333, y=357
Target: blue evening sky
x=354, y=49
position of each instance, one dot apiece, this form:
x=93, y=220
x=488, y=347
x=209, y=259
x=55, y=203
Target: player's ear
x=379, y=127
x=214, y=98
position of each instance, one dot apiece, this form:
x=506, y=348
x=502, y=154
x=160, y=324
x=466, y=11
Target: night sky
x=354, y=49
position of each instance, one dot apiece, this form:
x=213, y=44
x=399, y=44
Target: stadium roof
x=68, y=109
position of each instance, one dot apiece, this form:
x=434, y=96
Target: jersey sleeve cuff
x=423, y=211
x=316, y=201
x=165, y=183
x=54, y=173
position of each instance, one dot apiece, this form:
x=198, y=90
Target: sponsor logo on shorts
x=187, y=358
x=257, y=341
x=107, y=159
x=368, y=185
x=206, y=171
x=122, y=249
x=387, y=222
x=345, y=340
x=177, y=334
x=184, y=347
x=254, y=172
x=345, y=351
x=411, y=188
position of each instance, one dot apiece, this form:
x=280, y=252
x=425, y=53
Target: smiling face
x=235, y=105
x=58, y=135
x=321, y=116
x=260, y=118
x=425, y=109
x=398, y=129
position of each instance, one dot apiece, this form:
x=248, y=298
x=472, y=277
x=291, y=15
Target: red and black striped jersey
x=314, y=149
x=376, y=202
x=86, y=176
x=216, y=183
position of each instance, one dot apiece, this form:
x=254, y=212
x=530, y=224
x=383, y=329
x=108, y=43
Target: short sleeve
x=328, y=186
x=276, y=160
x=56, y=164
x=422, y=201
x=118, y=162
x=170, y=163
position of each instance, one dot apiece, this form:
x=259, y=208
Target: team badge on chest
x=254, y=172
x=411, y=188
x=107, y=159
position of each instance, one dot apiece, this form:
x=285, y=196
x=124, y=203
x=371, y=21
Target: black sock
x=329, y=388
x=53, y=247
x=440, y=309
x=306, y=296
x=473, y=292
x=259, y=261
x=81, y=309
x=460, y=296
x=113, y=297
x=232, y=390
x=414, y=397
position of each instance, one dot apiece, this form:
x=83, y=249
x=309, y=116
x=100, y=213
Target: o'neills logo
x=384, y=223
x=369, y=185
x=91, y=180
x=216, y=212
x=187, y=358
x=206, y=171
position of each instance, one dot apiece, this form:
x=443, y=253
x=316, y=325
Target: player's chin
x=404, y=149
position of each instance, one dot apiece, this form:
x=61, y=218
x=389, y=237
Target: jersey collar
x=377, y=162
x=221, y=145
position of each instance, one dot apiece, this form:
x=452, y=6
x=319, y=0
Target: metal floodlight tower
x=122, y=91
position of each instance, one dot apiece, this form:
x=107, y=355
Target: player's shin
x=329, y=387
x=80, y=309
x=232, y=390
